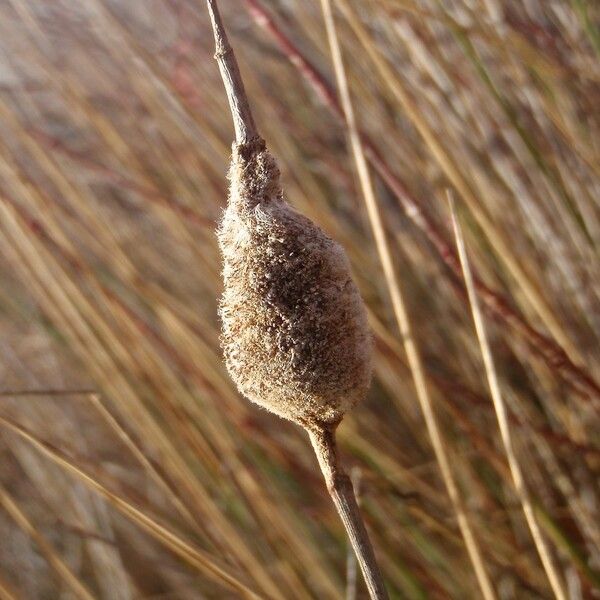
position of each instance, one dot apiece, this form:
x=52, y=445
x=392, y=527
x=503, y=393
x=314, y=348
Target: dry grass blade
x=401, y=314
x=61, y=569
x=502, y=416
x=500, y=243
x=141, y=457
x=186, y=551
x=6, y=593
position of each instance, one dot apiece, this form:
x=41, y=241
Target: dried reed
x=295, y=330
x=502, y=416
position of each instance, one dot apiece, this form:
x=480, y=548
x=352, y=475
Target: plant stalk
x=338, y=483
x=341, y=491
x=401, y=313
x=502, y=416
x=243, y=121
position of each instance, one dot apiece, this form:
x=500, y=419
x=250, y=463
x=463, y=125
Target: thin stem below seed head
x=243, y=121
x=341, y=491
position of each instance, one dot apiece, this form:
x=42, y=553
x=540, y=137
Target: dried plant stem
x=502, y=416
x=341, y=491
x=58, y=565
x=243, y=121
x=502, y=246
x=322, y=437
x=6, y=593
x=400, y=311
x=351, y=571
x=195, y=557
x=94, y=398
x=138, y=453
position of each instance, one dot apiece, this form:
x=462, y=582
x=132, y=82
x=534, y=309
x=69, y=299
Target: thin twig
x=243, y=121
x=351, y=572
x=502, y=415
x=342, y=493
x=410, y=346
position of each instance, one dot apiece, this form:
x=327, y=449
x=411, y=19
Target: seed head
x=295, y=332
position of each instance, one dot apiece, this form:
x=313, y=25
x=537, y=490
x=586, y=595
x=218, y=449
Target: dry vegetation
x=153, y=478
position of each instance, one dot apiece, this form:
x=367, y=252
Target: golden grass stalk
x=400, y=311
x=123, y=435
x=141, y=457
x=295, y=330
x=502, y=416
x=195, y=493
x=195, y=557
x=58, y=565
x=455, y=175
x=6, y=592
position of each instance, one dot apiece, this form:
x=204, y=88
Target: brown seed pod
x=295, y=330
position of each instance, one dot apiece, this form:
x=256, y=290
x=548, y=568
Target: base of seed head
x=295, y=332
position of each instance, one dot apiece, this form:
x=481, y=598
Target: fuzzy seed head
x=295, y=332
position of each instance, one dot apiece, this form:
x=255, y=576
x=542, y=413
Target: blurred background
x=130, y=466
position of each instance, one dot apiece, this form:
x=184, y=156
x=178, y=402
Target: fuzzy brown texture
x=295, y=332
